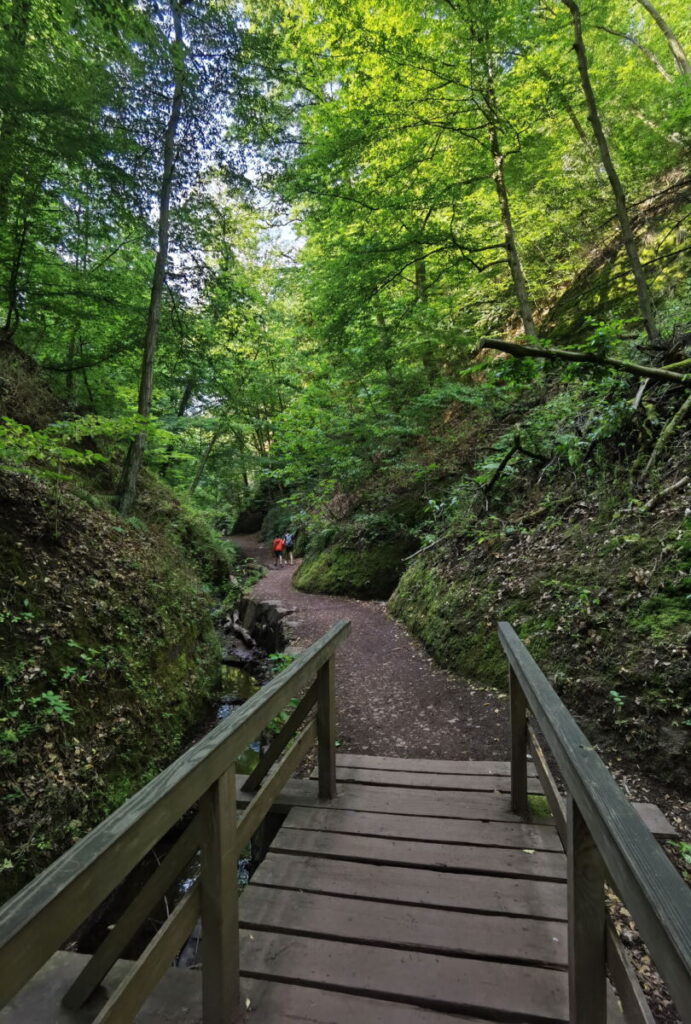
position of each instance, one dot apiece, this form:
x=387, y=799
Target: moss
x=457, y=629
x=114, y=619
x=664, y=617
x=367, y=573
x=538, y=806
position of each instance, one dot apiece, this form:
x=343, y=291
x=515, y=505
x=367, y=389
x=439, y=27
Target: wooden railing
x=605, y=841
x=40, y=918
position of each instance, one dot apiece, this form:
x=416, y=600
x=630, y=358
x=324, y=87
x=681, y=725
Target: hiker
x=288, y=544
x=278, y=551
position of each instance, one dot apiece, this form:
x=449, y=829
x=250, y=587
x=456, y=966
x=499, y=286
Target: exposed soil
x=392, y=699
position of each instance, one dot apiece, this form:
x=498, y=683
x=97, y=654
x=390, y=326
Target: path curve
x=392, y=699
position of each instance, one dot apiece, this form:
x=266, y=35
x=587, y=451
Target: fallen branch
x=657, y=498
x=569, y=355
x=669, y=429
x=427, y=547
x=500, y=469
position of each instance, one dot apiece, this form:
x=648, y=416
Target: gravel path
x=392, y=699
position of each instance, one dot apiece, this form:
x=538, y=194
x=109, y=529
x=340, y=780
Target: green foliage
x=280, y=660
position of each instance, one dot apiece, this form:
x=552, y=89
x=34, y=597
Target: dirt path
x=392, y=699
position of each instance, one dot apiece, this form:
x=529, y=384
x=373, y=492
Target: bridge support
x=586, y=903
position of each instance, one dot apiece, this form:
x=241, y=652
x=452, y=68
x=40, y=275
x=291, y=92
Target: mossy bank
x=369, y=573
x=600, y=593
x=109, y=654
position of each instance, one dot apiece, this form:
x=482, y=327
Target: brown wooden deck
x=415, y=895
x=395, y=891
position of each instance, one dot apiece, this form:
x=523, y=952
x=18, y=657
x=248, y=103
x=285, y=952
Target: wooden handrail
x=38, y=920
x=602, y=821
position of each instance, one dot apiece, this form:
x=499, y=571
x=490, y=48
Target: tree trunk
x=588, y=144
x=12, y=315
x=201, y=465
x=644, y=301
x=518, y=277
x=13, y=59
x=421, y=280
x=571, y=356
x=676, y=49
x=127, y=487
x=645, y=50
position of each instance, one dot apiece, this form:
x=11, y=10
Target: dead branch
x=668, y=430
x=657, y=498
x=571, y=356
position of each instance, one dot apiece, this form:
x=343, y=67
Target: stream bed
x=253, y=637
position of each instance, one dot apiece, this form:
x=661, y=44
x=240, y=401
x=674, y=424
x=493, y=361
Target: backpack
x=288, y=540
x=278, y=544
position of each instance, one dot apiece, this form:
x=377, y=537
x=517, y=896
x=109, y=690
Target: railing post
x=326, y=728
x=586, y=921
x=519, y=746
x=219, y=900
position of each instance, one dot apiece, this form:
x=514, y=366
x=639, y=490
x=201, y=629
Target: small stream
x=252, y=639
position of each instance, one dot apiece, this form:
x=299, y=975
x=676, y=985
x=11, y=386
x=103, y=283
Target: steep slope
x=109, y=651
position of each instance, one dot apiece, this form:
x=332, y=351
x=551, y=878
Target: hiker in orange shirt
x=278, y=551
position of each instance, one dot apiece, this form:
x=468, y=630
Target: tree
x=676, y=49
x=127, y=487
x=644, y=299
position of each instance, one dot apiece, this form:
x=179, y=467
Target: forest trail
x=392, y=699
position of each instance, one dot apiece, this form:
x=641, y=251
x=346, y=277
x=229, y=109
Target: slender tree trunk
x=645, y=50
x=185, y=397
x=127, y=487
x=12, y=314
x=71, y=358
x=201, y=465
x=675, y=47
x=85, y=379
x=180, y=411
x=644, y=300
x=421, y=295
x=578, y=127
x=520, y=284
x=13, y=59
x=421, y=280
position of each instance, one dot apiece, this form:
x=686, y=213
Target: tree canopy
x=305, y=220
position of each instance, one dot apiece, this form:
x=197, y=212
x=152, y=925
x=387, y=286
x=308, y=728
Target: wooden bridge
x=401, y=891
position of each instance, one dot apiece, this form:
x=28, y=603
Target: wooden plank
x=507, y=991
x=454, y=933
x=326, y=729
x=177, y=999
x=586, y=892
x=655, y=821
x=424, y=764
x=479, y=860
x=35, y=922
x=271, y=1001
x=649, y=884
x=650, y=814
x=491, y=895
x=400, y=800
x=432, y=830
x=131, y=920
x=265, y=799
x=428, y=780
x=148, y=970
x=219, y=902
x=557, y=804
x=519, y=746
x=281, y=740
